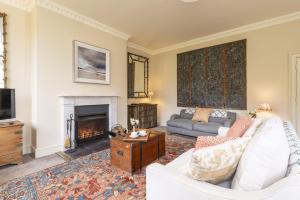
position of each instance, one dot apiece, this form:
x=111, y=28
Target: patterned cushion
x=190, y=110
x=206, y=141
x=217, y=163
x=294, y=144
x=239, y=127
x=202, y=114
x=219, y=113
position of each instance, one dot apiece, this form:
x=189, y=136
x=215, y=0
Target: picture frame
x=91, y=64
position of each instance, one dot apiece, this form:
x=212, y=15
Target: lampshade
x=264, y=108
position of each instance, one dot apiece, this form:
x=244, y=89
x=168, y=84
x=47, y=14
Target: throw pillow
x=219, y=113
x=206, y=141
x=190, y=110
x=265, y=159
x=202, y=114
x=239, y=127
x=217, y=163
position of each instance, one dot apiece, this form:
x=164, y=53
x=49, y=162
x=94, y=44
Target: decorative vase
x=133, y=128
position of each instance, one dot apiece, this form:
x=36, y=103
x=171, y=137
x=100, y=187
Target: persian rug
x=89, y=177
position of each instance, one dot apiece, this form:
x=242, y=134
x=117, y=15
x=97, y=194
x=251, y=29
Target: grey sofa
x=183, y=124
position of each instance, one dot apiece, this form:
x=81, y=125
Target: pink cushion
x=239, y=127
x=206, y=141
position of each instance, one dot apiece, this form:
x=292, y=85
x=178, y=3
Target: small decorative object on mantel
x=91, y=64
x=134, y=123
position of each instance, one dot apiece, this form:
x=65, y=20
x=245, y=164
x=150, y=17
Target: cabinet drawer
x=11, y=139
x=12, y=158
x=7, y=149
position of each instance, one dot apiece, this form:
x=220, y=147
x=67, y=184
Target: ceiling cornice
x=50, y=5
x=139, y=47
x=231, y=32
x=26, y=5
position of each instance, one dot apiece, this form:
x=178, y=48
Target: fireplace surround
x=69, y=104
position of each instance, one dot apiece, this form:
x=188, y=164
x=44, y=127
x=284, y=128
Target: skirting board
x=27, y=149
x=40, y=152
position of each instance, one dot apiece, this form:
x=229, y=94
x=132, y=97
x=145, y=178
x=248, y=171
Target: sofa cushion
x=217, y=163
x=186, y=115
x=265, y=159
x=294, y=144
x=181, y=123
x=239, y=127
x=210, y=127
x=219, y=120
x=202, y=114
x=206, y=141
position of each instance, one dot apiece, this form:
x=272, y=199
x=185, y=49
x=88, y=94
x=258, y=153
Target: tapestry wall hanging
x=213, y=77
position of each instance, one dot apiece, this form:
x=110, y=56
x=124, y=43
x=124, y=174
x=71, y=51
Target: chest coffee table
x=133, y=155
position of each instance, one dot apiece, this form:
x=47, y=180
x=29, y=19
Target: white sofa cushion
x=265, y=159
x=253, y=127
x=217, y=163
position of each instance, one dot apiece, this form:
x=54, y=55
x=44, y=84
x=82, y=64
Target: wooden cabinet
x=11, y=143
x=145, y=113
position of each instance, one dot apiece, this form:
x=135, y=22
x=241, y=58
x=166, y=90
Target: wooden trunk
x=125, y=155
x=131, y=156
x=11, y=143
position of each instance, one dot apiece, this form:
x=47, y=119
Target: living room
x=249, y=51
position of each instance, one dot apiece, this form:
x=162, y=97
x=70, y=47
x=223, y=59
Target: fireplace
x=91, y=123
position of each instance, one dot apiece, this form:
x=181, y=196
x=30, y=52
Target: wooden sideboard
x=11, y=142
x=145, y=113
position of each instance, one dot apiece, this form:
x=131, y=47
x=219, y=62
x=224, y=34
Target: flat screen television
x=7, y=104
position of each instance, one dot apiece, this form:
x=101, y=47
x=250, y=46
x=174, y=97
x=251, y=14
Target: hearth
x=91, y=123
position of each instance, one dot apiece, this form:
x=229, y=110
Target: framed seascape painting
x=91, y=64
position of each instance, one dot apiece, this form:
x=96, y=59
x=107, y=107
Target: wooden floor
x=29, y=166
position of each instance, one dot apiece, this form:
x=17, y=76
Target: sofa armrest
x=174, y=116
x=163, y=183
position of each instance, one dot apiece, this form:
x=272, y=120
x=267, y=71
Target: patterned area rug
x=89, y=177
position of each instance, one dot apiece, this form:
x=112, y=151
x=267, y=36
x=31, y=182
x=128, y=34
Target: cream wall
x=19, y=73
x=54, y=75
x=268, y=52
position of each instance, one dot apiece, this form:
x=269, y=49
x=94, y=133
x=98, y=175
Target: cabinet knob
x=120, y=153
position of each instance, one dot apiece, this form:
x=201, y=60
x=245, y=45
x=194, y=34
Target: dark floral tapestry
x=213, y=77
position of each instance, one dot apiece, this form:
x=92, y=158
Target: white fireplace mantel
x=68, y=103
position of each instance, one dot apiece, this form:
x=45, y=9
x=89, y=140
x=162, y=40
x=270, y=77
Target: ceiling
x=155, y=24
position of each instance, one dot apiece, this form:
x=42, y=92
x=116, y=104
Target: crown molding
x=59, y=9
x=26, y=5
x=139, y=47
x=231, y=32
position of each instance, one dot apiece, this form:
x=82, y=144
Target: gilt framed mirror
x=3, y=51
x=138, y=76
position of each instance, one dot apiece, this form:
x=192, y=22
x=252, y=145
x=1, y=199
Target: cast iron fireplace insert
x=91, y=123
